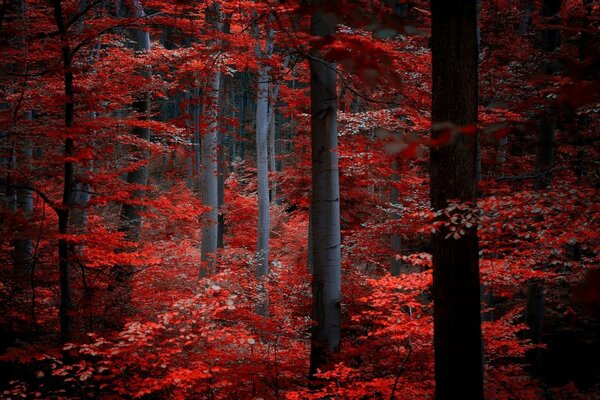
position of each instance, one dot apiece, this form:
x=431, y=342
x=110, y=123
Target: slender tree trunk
x=325, y=201
x=272, y=152
x=68, y=182
x=395, y=239
x=196, y=111
x=210, y=196
x=456, y=286
x=242, y=119
x=262, y=143
x=210, y=169
x=220, y=186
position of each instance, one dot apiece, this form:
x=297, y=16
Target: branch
x=534, y=175
x=349, y=87
x=52, y=204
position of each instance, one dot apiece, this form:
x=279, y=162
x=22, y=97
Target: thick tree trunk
x=456, y=287
x=325, y=201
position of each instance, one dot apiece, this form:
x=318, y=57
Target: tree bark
x=65, y=308
x=262, y=143
x=456, y=286
x=395, y=239
x=325, y=200
x=210, y=196
x=210, y=192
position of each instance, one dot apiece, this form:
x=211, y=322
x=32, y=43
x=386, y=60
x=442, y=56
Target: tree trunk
x=395, y=239
x=220, y=188
x=210, y=195
x=210, y=191
x=272, y=147
x=262, y=154
x=242, y=119
x=456, y=287
x=65, y=308
x=325, y=201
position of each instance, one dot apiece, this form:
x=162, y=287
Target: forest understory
x=303, y=199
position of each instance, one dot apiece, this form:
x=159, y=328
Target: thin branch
x=348, y=86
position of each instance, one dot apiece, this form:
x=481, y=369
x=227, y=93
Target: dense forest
x=300, y=199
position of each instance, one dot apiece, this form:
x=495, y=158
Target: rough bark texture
x=456, y=290
x=325, y=202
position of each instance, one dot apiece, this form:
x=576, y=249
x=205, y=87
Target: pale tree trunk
x=210, y=192
x=272, y=147
x=325, y=201
x=242, y=120
x=196, y=111
x=262, y=142
x=220, y=187
x=456, y=286
x=210, y=196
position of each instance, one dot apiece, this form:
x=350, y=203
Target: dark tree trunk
x=325, y=202
x=456, y=289
x=69, y=181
